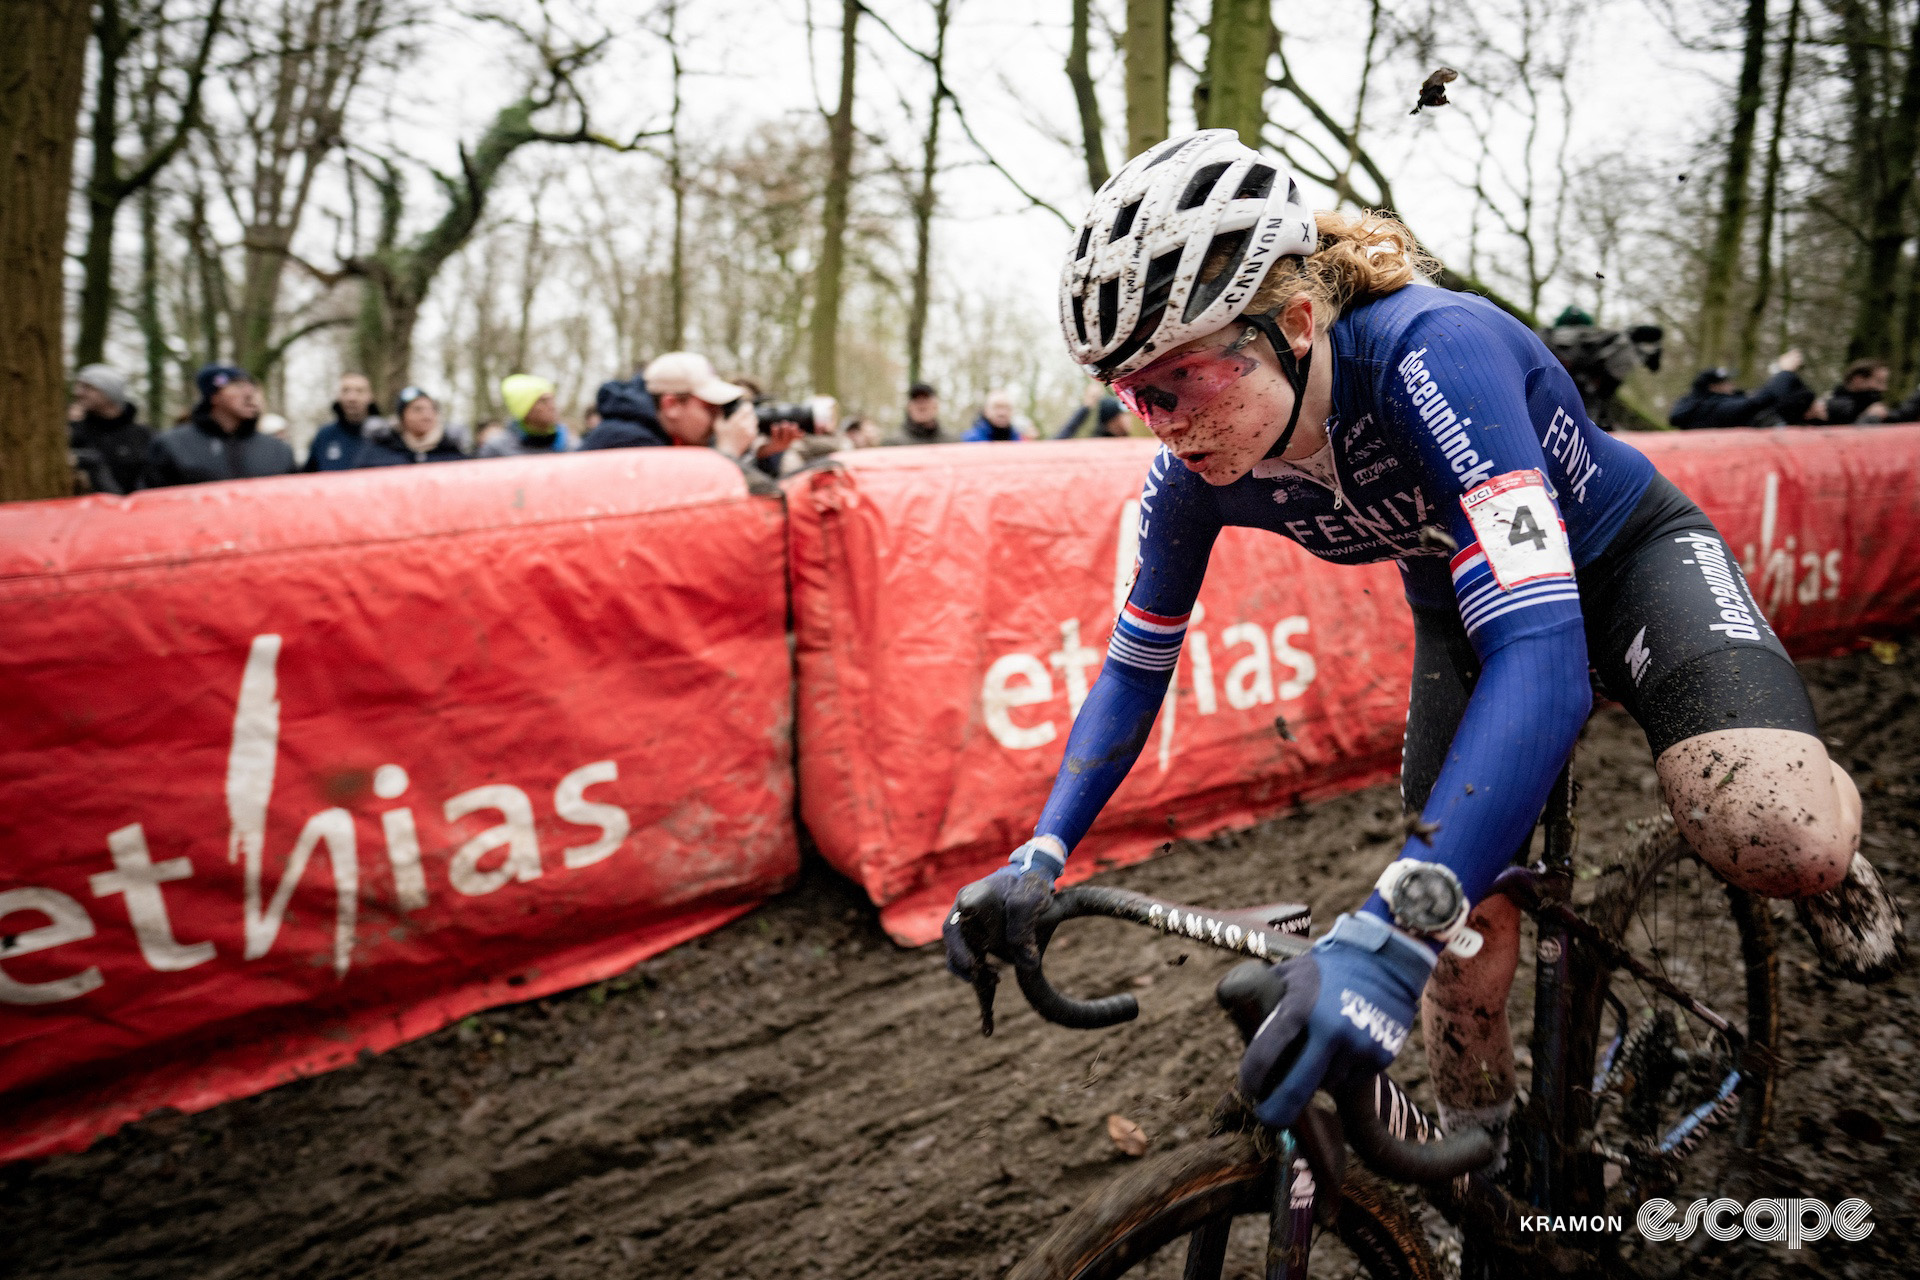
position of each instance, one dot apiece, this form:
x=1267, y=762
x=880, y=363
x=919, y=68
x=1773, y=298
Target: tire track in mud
x=796, y=1096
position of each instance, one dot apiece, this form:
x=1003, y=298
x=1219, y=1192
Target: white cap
x=685, y=373
x=105, y=379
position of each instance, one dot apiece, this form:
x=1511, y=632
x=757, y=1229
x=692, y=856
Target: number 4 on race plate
x=1519, y=529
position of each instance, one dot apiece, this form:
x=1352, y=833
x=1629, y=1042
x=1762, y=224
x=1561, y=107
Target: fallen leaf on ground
x=1887, y=651
x=1129, y=1137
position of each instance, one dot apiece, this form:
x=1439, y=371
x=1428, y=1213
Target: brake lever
x=977, y=931
x=1323, y=1142
x=985, y=979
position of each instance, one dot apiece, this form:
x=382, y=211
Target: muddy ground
x=795, y=1096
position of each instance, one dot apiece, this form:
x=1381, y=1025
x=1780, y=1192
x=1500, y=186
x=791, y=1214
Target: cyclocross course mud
x=795, y=1096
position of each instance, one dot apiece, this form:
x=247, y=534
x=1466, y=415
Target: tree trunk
x=1239, y=39
x=103, y=205
x=396, y=314
x=824, y=369
x=676, y=174
x=926, y=197
x=41, y=71
x=1889, y=182
x=152, y=331
x=1769, y=198
x=1723, y=256
x=212, y=284
x=1081, y=78
x=1149, y=36
x=1909, y=327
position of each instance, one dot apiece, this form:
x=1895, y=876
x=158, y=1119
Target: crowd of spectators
x=680, y=400
x=677, y=400
x=1785, y=399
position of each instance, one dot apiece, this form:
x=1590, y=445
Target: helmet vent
x=1201, y=186
x=1293, y=192
x=1171, y=151
x=1161, y=273
x=1109, y=310
x=1257, y=183
x=1123, y=223
x=1080, y=318
x=1205, y=292
x=1086, y=234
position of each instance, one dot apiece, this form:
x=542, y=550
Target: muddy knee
x=1765, y=807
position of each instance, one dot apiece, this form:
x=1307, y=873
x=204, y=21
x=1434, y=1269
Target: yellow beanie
x=518, y=391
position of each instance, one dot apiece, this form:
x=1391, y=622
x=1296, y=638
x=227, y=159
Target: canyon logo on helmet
x=1131, y=290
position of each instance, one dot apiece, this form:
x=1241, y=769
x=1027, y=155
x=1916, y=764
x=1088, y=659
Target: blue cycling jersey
x=1449, y=416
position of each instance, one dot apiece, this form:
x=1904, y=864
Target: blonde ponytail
x=1361, y=256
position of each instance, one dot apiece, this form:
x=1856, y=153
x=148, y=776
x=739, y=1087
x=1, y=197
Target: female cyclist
x=1303, y=377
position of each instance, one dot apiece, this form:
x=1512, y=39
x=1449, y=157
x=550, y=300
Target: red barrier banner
x=296, y=768
x=952, y=605
x=1825, y=521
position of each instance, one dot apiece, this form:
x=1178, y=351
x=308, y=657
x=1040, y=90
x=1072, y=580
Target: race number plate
x=1519, y=529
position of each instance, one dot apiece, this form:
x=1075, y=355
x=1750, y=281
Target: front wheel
x=1676, y=1104
x=1195, y=1194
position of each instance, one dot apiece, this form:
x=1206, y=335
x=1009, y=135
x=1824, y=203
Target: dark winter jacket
x=336, y=445
x=388, y=448
x=911, y=432
x=1078, y=424
x=1783, y=398
x=627, y=418
x=112, y=451
x=984, y=430
x=198, y=451
x=1907, y=410
x=1844, y=406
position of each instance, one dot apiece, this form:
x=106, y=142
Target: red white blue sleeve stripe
x=1147, y=641
x=1482, y=600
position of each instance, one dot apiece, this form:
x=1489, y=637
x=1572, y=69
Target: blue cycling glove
x=1348, y=1003
x=1012, y=898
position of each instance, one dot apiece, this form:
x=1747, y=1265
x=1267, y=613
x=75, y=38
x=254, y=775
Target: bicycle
x=1639, y=1085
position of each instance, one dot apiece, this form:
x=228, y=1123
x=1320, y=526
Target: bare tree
x=117, y=28
x=41, y=71
x=1883, y=64
x=1723, y=256
x=1080, y=76
x=1769, y=196
x=300, y=64
x=926, y=197
x=825, y=363
x=398, y=272
x=1526, y=53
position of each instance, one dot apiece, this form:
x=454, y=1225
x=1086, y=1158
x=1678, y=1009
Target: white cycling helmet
x=1131, y=290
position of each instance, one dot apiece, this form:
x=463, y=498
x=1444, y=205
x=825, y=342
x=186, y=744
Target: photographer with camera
x=696, y=406
x=1600, y=360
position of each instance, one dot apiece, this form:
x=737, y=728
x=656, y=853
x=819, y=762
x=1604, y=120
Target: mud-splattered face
x=1221, y=401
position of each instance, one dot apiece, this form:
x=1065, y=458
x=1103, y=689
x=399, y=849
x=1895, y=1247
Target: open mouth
x=1196, y=461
